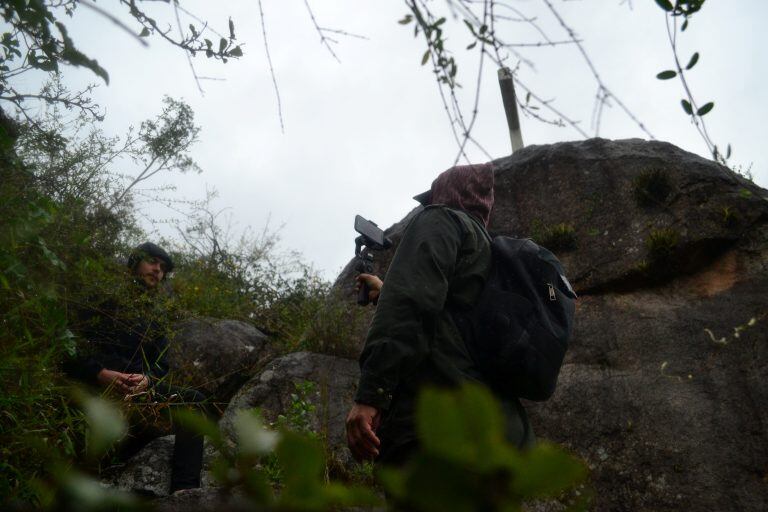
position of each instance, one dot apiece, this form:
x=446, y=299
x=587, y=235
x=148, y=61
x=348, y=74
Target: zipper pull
x=552, y=295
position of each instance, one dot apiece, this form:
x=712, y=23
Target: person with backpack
x=438, y=273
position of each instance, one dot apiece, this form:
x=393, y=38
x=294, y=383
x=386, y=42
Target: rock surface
x=664, y=391
x=150, y=468
x=275, y=392
x=217, y=356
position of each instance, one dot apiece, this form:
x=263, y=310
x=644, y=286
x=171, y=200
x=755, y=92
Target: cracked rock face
x=664, y=390
x=217, y=356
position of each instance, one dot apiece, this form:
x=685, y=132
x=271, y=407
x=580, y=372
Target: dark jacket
x=441, y=263
x=126, y=335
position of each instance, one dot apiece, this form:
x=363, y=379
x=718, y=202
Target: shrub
x=661, y=243
x=557, y=238
x=651, y=187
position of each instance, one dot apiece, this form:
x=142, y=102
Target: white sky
x=365, y=135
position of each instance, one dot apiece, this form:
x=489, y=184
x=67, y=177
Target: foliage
x=244, y=276
x=661, y=243
x=728, y=216
x=59, y=247
x=75, y=162
x=685, y=9
x=336, y=328
x=300, y=409
x=651, y=187
x=37, y=39
x=466, y=463
x=557, y=238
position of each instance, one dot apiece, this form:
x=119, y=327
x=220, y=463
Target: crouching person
x=126, y=353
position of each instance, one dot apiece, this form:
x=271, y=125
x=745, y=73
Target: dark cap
x=148, y=249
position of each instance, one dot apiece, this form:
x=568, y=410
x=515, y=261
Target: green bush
x=557, y=238
x=661, y=243
x=651, y=187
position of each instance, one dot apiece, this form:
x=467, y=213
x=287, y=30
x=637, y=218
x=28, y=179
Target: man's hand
x=122, y=382
x=374, y=285
x=140, y=382
x=362, y=422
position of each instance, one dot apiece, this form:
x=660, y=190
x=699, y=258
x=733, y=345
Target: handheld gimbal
x=371, y=238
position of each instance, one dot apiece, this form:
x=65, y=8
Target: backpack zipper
x=552, y=295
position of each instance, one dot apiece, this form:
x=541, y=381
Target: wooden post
x=507, y=86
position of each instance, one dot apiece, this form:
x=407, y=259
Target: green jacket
x=442, y=261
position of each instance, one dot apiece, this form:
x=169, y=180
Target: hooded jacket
x=441, y=263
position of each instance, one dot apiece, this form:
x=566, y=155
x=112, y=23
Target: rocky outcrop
x=612, y=209
x=217, y=356
x=664, y=390
x=311, y=391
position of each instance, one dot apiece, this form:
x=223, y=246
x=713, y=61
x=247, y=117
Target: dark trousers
x=147, y=424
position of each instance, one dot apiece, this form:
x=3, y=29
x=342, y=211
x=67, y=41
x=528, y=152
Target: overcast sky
x=366, y=134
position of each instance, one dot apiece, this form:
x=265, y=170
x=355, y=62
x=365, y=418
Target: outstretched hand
x=374, y=285
x=362, y=422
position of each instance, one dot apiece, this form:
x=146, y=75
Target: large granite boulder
x=311, y=392
x=217, y=356
x=664, y=391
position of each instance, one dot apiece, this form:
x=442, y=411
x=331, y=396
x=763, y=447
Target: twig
x=271, y=67
x=606, y=92
x=189, y=57
x=324, y=40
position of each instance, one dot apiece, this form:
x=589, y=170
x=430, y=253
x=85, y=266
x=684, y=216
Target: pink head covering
x=465, y=187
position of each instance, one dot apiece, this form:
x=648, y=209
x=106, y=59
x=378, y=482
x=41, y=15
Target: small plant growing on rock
x=651, y=187
x=556, y=238
x=728, y=216
x=661, y=243
x=298, y=415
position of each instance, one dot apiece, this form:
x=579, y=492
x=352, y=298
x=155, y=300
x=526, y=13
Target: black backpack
x=519, y=329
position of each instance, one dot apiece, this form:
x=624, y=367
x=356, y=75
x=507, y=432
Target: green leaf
x=106, y=424
x=547, y=470
x=693, y=61
x=684, y=26
x=85, y=493
x=666, y=5
x=222, y=45
x=231, y=29
x=687, y=107
x=406, y=19
x=471, y=45
x=236, y=52
x=705, y=109
x=196, y=422
x=144, y=32
x=253, y=439
x=425, y=58
x=439, y=22
x=465, y=426
x=75, y=57
x=666, y=75
x=728, y=151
